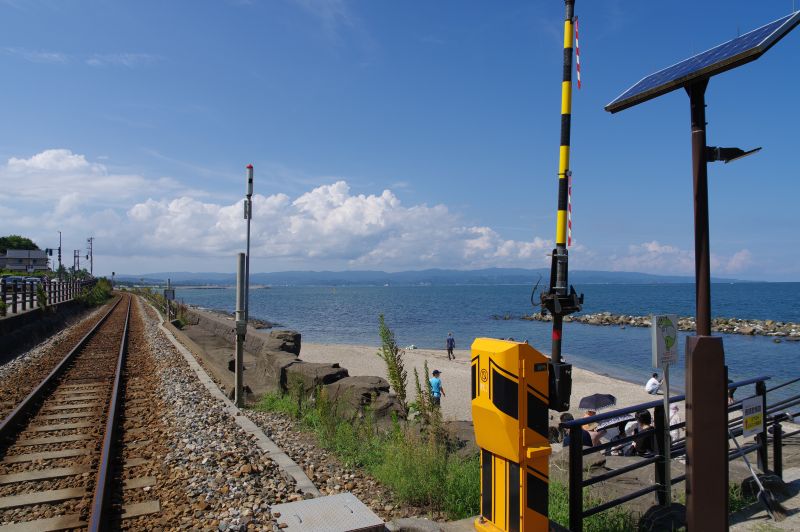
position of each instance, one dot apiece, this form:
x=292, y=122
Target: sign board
x=664, y=333
x=752, y=416
x=169, y=294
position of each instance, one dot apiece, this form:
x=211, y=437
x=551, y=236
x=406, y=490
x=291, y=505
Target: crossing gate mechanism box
x=510, y=412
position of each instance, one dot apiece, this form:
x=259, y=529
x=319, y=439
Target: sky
x=387, y=135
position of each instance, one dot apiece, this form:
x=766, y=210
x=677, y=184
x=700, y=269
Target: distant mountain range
x=489, y=276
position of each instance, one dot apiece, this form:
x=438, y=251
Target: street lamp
x=706, y=373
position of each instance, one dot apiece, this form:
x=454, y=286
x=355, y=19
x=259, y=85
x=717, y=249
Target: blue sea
x=423, y=315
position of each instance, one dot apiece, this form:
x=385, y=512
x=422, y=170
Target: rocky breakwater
x=777, y=329
x=279, y=368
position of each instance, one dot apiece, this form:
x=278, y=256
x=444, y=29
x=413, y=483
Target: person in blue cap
x=437, y=390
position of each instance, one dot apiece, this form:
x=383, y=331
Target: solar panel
x=736, y=52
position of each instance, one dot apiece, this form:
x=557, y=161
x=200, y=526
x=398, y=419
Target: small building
x=24, y=260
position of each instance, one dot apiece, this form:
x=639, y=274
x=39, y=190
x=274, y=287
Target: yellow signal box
x=510, y=414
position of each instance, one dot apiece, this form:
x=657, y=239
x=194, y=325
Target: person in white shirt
x=653, y=385
x=674, y=419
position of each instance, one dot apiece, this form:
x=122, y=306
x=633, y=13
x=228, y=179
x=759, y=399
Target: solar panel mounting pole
x=706, y=375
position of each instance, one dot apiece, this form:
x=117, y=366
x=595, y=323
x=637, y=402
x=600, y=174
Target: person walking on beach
x=437, y=390
x=451, y=344
x=653, y=385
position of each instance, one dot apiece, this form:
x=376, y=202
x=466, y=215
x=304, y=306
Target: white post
x=664, y=335
x=241, y=330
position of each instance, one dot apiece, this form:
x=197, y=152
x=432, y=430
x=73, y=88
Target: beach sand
x=363, y=360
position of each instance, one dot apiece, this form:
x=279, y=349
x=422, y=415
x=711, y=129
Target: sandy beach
x=363, y=360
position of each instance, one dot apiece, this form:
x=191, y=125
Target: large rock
x=286, y=341
x=462, y=437
x=354, y=395
x=271, y=369
x=255, y=341
x=313, y=374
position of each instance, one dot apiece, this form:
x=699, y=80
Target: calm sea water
x=423, y=315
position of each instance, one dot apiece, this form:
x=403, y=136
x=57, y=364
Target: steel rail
x=99, y=516
x=9, y=425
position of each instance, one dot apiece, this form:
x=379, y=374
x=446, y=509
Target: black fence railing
x=771, y=428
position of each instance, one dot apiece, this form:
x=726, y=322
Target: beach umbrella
x=615, y=420
x=597, y=401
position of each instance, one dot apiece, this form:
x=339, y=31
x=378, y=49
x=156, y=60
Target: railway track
x=15, y=386
x=66, y=461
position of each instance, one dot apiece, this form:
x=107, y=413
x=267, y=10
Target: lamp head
x=726, y=155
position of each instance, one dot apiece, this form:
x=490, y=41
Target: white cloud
x=128, y=60
x=70, y=179
x=657, y=258
x=740, y=261
x=125, y=59
x=37, y=56
x=327, y=226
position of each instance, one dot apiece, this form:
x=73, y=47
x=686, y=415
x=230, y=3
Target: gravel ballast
x=218, y=477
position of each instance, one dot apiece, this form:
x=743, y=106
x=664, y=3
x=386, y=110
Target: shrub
x=41, y=299
x=3, y=308
x=96, y=295
x=393, y=357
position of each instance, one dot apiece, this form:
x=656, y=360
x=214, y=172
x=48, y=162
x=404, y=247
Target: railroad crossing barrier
x=510, y=415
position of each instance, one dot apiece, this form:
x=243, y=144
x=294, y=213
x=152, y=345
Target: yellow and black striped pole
x=560, y=301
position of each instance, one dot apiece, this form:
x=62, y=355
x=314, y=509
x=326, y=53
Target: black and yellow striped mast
x=561, y=299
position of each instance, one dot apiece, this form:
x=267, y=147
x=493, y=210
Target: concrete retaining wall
x=22, y=331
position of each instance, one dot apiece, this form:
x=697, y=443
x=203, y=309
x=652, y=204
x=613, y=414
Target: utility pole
x=59, y=255
x=76, y=261
x=90, y=256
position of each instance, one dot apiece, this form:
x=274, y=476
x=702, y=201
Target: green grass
x=736, y=500
x=424, y=473
x=616, y=519
x=418, y=470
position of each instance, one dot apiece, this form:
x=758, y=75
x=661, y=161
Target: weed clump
x=96, y=295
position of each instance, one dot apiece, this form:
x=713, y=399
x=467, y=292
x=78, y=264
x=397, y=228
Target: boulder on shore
x=354, y=395
x=314, y=374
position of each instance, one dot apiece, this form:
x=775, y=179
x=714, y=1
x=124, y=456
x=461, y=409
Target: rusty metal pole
x=706, y=382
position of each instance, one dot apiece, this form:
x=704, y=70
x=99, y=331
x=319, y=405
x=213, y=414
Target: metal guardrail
x=773, y=416
x=20, y=296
